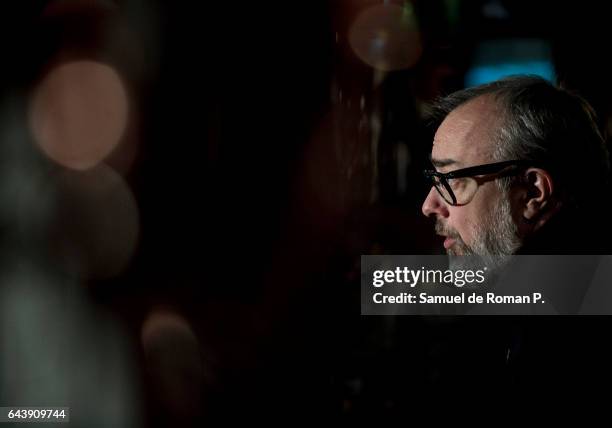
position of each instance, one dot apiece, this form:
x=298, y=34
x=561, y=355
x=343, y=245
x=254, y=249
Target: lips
x=449, y=235
x=449, y=242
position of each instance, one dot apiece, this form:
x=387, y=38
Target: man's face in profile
x=484, y=226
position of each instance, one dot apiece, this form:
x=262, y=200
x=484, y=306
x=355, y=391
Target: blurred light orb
x=386, y=37
x=79, y=113
x=162, y=325
x=174, y=363
x=97, y=225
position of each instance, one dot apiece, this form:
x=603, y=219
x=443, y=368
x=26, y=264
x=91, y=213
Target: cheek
x=460, y=219
x=467, y=220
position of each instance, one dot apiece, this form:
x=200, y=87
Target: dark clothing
x=567, y=358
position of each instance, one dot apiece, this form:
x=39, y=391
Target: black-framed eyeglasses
x=458, y=187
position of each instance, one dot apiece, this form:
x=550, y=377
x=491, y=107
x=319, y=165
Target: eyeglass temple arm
x=482, y=169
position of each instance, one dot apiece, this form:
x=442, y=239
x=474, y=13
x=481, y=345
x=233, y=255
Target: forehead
x=467, y=134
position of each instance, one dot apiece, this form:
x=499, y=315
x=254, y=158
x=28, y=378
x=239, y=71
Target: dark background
x=258, y=189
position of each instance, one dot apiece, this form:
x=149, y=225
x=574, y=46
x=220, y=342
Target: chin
x=454, y=251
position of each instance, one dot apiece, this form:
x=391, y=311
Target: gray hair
x=548, y=125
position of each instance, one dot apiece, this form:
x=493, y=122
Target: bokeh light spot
x=386, y=37
x=97, y=227
x=79, y=113
x=176, y=368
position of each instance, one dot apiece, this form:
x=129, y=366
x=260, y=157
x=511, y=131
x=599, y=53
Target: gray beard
x=495, y=241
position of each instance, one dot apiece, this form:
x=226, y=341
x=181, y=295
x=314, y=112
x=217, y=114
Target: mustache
x=443, y=229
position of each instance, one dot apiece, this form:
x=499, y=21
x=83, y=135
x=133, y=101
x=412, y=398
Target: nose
x=434, y=205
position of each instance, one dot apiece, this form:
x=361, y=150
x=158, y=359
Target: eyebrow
x=440, y=163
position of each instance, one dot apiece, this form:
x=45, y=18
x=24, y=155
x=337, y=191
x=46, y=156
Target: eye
x=457, y=184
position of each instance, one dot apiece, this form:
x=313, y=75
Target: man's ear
x=540, y=203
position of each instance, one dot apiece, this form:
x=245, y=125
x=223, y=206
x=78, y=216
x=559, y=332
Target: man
x=516, y=162
x=519, y=167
